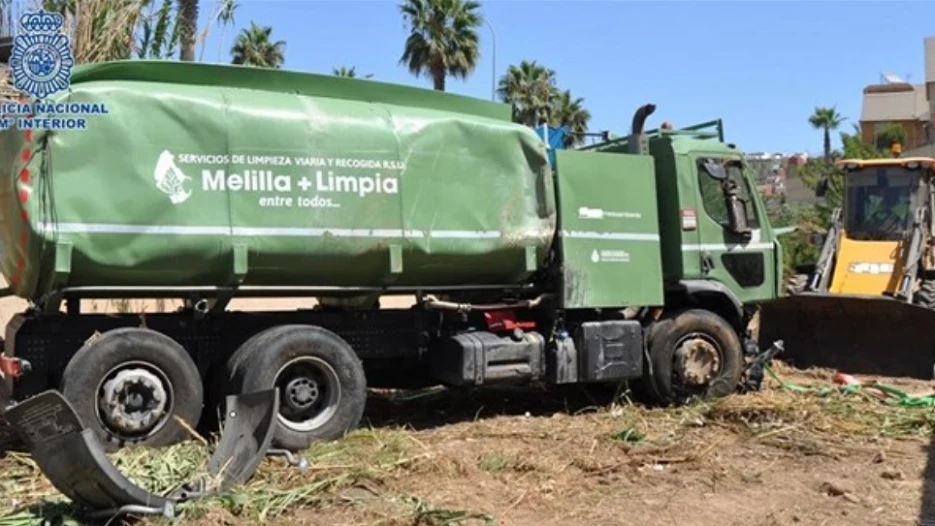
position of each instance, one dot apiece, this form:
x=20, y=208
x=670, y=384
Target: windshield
x=876, y=205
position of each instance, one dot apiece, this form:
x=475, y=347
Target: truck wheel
x=321, y=383
x=130, y=385
x=925, y=296
x=694, y=354
x=796, y=284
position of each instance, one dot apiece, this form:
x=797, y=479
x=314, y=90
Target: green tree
x=442, y=39
x=826, y=119
x=344, y=72
x=254, y=47
x=569, y=111
x=350, y=72
x=530, y=88
x=223, y=16
x=161, y=32
x=887, y=137
x=532, y=91
x=100, y=30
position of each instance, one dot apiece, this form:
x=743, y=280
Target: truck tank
x=194, y=175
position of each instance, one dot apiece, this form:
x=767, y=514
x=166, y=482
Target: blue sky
x=761, y=66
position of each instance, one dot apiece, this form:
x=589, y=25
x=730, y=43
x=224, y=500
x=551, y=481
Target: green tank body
x=194, y=175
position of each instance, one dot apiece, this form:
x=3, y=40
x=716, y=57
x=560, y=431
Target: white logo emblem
x=595, y=257
x=170, y=180
x=41, y=59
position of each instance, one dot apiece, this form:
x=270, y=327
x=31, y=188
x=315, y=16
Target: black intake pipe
x=639, y=118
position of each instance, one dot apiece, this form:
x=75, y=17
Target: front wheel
x=925, y=296
x=796, y=284
x=694, y=354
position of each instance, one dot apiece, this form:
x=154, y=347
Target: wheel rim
x=697, y=361
x=309, y=393
x=134, y=401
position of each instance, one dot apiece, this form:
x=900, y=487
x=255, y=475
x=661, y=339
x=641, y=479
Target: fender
x=723, y=296
x=71, y=457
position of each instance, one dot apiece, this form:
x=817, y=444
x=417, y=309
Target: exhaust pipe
x=637, y=143
x=639, y=118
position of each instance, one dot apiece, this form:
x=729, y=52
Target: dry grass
x=565, y=457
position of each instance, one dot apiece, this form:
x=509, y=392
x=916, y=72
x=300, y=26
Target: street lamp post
x=493, y=71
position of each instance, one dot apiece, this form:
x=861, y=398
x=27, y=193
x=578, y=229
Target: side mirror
x=715, y=170
x=822, y=187
x=736, y=211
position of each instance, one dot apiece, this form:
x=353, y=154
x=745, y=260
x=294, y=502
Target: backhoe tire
x=321, y=382
x=796, y=284
x=925, y=296
x=130, y=385
x=694, y=354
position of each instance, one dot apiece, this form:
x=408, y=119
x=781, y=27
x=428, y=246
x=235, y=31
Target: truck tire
x=925, y=296
x=321, y=382
x=694, y=354
x=796, y=284
x=154, y=369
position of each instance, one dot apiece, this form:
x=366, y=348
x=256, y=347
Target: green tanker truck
x=640, y=258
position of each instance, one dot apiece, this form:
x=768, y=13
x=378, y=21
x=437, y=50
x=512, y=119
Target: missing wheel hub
x=133, y=401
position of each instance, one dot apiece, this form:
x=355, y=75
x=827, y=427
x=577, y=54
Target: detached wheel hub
x=697, y=361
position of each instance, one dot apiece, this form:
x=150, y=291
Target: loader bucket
x=871, y=335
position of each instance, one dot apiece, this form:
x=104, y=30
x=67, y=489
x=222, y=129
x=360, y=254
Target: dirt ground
x=568, y=457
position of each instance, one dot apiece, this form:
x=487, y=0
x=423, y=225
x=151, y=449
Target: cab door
x=744, y=262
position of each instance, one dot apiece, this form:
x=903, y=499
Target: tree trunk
x=438, y=72
x=221, y=42
x=188, y=18
x=827, y=145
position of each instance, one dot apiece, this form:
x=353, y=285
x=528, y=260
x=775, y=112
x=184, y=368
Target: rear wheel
x=131, y=385
x=320, y=379
x=694, y=354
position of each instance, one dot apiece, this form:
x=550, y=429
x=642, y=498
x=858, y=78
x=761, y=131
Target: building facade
x=895, y=102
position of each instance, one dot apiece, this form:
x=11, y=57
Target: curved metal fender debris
x=73, y=460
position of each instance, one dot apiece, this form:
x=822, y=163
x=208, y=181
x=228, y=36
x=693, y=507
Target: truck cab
x=717, y=242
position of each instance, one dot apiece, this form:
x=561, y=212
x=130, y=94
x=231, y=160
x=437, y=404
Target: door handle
x=707, y=262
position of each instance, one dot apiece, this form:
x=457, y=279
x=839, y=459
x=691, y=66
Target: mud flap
x=75, y=463
x=249, y=426
x=854, y=334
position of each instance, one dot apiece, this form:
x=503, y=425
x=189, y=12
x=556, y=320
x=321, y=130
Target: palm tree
x=253, y=47
x=344, y=72
x=530, y=89
x=188, y=19
x=348, y=72
x=569, y=111
x=161, y=32
x=443, y=38
x=226, y=18
x=826, y=119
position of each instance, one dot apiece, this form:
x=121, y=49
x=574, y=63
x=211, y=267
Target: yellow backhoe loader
x=867, y=305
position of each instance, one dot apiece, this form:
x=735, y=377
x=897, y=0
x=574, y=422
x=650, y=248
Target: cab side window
x=713, y=196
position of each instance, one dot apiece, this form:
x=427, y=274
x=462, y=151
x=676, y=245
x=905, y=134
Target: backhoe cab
x=872, y=289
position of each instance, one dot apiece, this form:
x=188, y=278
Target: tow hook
x=752, y=378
